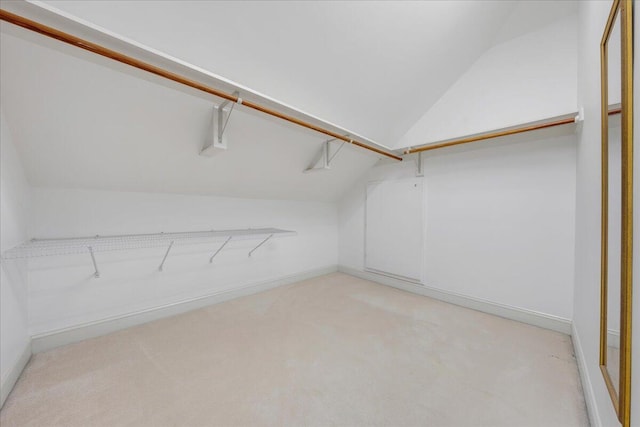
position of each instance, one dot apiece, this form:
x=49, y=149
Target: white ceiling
x=530, y=15
x=81, y=121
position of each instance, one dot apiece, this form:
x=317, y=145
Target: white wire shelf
x=83, y=245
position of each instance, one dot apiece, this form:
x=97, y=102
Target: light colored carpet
x=334, y=350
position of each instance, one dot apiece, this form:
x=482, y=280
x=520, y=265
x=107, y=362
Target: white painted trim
x=10, y=379
x=587, y=388
x=60, y=337
x=535, y=318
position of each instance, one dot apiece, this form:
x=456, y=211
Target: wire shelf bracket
x=419, y=167
x=220, y=120
x=95, y=265
x=260, y=244
x=220, y=248
x=166, y=254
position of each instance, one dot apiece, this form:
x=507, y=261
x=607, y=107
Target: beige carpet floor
x=330, y=351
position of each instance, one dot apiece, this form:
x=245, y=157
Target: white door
x=394, y=228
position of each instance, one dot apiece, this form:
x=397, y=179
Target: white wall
x=14, y=191
x=63, y=293
x=529, y=78
x=592, y=19
x=500, y=220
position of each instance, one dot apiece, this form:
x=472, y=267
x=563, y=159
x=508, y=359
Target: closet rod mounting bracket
x=322, y=160
x=419, y=168
x=217, y=141
x=219, y=249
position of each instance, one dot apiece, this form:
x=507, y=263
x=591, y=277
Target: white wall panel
x=394, y=236
x=14, y=337
x=500, y=220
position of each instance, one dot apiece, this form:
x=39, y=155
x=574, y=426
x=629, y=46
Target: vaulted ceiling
x=83, y=122
x=372, y=67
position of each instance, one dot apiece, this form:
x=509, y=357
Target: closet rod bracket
x=419, y=169
x=322, y=160
x=217, y=141
x=222, y=120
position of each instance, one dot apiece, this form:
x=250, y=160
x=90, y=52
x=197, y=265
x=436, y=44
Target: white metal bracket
x=219, y=249
x=260, y=244
x=419, y=170
x=166, y=254
x=322, y=160
x=95, y=265
x=579, y=119
x=220, y=120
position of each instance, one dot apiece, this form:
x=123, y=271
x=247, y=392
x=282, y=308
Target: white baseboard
x=587, y=388
x=10, y=379
x=530, y=317
x=50, y=340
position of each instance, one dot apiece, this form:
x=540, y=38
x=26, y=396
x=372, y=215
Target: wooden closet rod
x=497, y=134
x=491, y=135
x=116, y=56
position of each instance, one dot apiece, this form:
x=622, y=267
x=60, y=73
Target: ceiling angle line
x=128, y=60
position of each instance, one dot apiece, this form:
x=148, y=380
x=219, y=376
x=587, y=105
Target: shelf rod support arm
x=260, y=244
x=166, y=254
x=222, y=127
x=324, y=156
x=219, y=249
x=336, y=153
x=95, y=265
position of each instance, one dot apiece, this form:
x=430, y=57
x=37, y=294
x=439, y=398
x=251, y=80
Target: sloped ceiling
x=524, y=79
x=370, y=66
x=80, y=121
